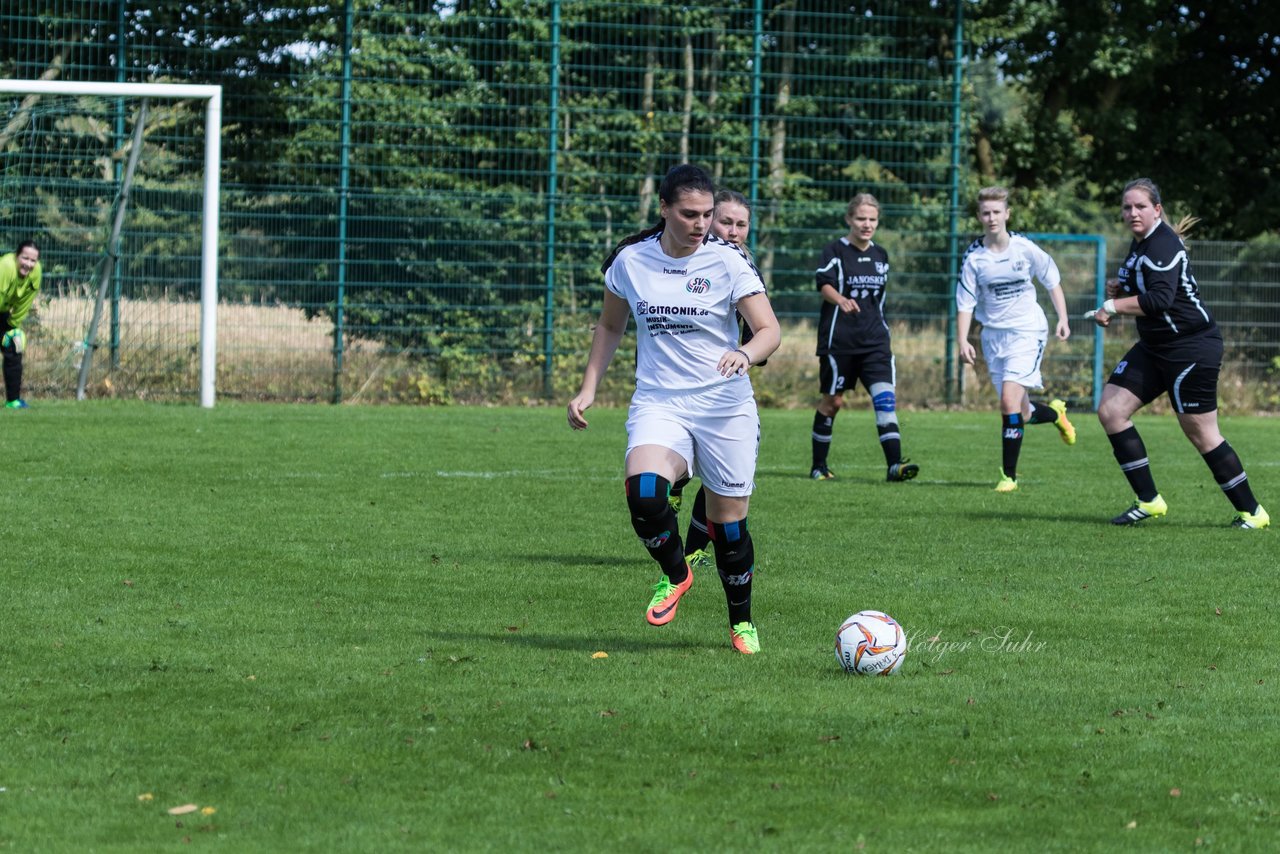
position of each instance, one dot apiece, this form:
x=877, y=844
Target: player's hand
x=733, y=362
x=577, y=406
x=967, y=353
x=1101, y=317
x=1064, y=329
x=850, y=306
x=1112, y=289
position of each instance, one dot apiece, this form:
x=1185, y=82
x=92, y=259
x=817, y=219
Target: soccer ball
x=871, y=643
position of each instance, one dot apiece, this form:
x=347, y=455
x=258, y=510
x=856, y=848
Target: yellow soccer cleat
x=1142, y=510
x=1257, y=519
x=1007, y=484
x=1065, y=429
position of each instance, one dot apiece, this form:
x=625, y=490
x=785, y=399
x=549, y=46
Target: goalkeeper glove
x=15, y=340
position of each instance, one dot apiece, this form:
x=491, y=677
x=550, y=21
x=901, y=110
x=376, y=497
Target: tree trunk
x=711, y=83
x=647, y=106
x=985, y=156
x=686, y=109
x=776, y=181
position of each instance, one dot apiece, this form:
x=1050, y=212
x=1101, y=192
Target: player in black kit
x=853, y=338
x=1179, y=352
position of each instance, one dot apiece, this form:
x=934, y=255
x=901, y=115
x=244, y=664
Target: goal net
x=117, y=185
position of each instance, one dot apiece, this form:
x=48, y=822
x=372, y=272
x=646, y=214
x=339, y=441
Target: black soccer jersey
x=1158, y=272
x=860, y=275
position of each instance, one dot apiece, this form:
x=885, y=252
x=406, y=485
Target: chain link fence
x=416, y=200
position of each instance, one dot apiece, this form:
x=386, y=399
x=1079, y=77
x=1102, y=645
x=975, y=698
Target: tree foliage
x=1091, y=94
x=450, y=190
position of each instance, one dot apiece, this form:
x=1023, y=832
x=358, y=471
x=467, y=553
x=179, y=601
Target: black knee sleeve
x=654, y=521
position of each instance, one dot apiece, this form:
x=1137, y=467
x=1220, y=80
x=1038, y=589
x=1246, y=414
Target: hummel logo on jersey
x=698, y=286
x=670, y=272
x=734, y=485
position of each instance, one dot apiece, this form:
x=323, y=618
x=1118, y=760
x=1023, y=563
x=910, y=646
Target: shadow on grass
x=1102, y=521
x=579, y=560
x=864, y=477
x=609, y=643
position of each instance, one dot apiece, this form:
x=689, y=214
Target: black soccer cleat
x=903, y=470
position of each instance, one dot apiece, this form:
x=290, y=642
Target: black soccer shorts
x=840, y=372
x=1186, y=370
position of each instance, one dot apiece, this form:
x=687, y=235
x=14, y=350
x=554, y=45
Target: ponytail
x=649, y=232
x=1184, y=226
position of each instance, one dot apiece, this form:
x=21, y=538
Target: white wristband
x=1109, y=307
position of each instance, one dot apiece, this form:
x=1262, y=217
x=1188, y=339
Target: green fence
x=416, y=200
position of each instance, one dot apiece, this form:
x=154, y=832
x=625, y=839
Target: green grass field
x=373, y=629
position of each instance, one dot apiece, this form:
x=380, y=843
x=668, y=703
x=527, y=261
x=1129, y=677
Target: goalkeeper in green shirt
x=19, y=282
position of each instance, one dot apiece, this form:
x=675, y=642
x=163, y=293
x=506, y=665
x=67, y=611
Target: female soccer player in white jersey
x=693, y=411
x=730, y=222
x=1179, y=352
x=997, y=285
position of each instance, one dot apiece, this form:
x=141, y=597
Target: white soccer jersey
x=998, y=287
x=684, y=310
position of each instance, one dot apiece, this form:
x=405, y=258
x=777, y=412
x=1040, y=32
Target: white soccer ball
x=871, y=643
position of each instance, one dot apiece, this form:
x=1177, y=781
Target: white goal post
x=212, y=96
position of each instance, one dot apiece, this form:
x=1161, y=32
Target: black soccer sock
x=822, y=425
x=735, y=560
x=1131, y=454
x=677, y=488
x=1011, y=430
x=656, y=524
x=890, y=442
x=698, y=537
x=1041, y=414
x=1228, y=471
x=12, y=374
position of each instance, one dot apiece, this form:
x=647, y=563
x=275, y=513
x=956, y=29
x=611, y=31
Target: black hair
x=685, y=178
x=25, y=244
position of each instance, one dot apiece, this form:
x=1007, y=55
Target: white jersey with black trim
x=999, y=287
x=684, y=310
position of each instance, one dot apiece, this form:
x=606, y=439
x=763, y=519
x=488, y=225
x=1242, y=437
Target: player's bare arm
x=604, y=343
x=766, y=335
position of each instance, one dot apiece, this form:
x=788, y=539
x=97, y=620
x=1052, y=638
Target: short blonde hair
x=993, y=194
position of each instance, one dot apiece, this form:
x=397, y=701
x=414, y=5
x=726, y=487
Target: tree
x=1183, y=92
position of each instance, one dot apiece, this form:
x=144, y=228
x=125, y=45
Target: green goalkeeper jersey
x=17, y=293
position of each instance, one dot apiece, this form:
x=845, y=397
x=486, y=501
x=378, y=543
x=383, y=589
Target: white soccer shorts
x=715, y=430
x=1013, y=357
